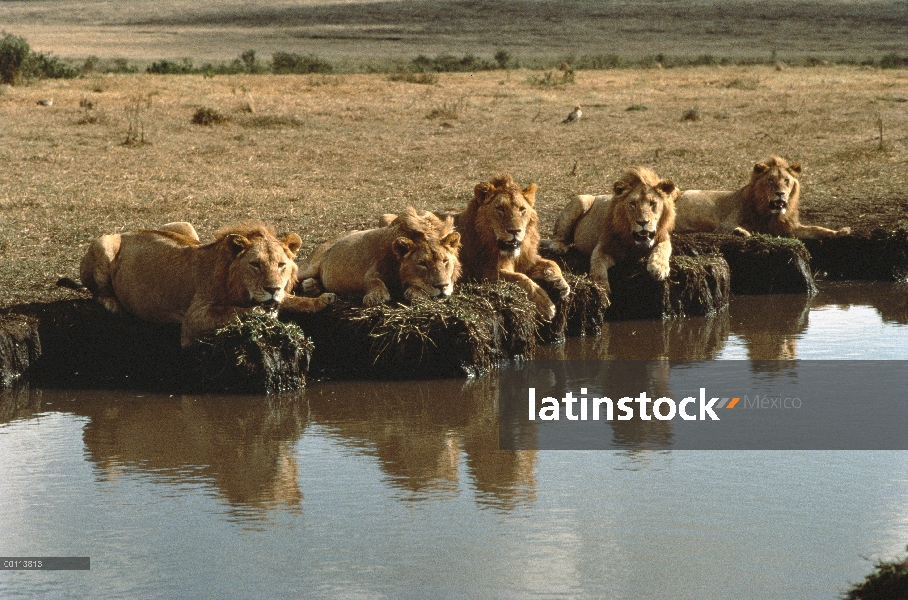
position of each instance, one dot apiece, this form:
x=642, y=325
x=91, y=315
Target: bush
x=283, y=63
x=444, y=63
x=893, y=61
x=208, y=116
x=166, y=67
x=14, y=58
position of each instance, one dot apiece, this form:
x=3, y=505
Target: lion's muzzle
x=644, y=238
x=510, y=247
x=779, y=204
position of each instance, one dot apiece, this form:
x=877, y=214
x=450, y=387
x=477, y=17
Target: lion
x=637, y=220
x=416, y=255
x=767, y=204
x=500, y=241
x=168, y=276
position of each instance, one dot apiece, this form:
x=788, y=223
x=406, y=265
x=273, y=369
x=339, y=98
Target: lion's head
x=643, y=207
x=505, y=211
x=427, y=249
x=259, y=269
x=775, y=186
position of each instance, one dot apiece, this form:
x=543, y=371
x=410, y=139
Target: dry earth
x=323, y=154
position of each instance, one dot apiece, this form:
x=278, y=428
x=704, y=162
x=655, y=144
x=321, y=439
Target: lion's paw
x=376, y=298
x=554, y=246
x=328, y=299
x=110, y=303
x=311, y=286
x=658, y=268
x=843, y=231
x=545, y=308
x=741, y=231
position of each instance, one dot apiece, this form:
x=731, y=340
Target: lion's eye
x=281, y=265
x=523, y=210
x=500, y=209
x=652, y=205
x=256, y=265
x=447, y=261
x=772, y=180
x=787, y=181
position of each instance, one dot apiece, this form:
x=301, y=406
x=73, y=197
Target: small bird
x=574, y=116
x=46, y=102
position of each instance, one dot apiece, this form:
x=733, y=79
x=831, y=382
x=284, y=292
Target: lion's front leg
x=548, y=270
x=544, y=305
x=659, y=258
x=376, y=290
x=202, y=317
x=300, y=304
x=815, y=232
x=600, y=263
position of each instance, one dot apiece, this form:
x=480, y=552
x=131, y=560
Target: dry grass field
x=323, y=154
x=366, y=31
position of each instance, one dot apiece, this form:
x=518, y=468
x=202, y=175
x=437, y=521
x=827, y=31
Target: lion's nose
x=780, y=195
x=514, y=232
x=642, y=223
x=441, y=286
x=272, y=290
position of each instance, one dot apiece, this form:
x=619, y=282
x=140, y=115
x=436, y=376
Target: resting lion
x=168, y=276
x=501, y=238
x=638, y=219
x=767, y=204
x=416, y=255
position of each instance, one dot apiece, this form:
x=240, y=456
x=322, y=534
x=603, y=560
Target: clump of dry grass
x=208, y=116
x=448, y=110
x=691, y=114
x=420, y=77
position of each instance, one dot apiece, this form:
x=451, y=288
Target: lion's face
x=428, y=266
x=775, y=187
x=263, y=270
x=646, y=208
x=509, y=213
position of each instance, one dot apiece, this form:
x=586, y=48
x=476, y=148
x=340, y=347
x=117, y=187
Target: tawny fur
x=416, y=254
x=608, y=228
x=749, y=209
x=500, y=240
x=168, y=276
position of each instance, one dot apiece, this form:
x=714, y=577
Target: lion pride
x=637, y=220
x=501, y=238
x=415, y=255
x=168, y=276
x=767, y=204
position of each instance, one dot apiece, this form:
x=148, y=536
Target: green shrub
x=283, y=63
x=166, y=67
x=448, y=63
x=14, y=58
x=893, y=61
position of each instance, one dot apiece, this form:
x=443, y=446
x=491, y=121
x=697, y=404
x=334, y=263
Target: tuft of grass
x=691, y=114
x=447, y=111
x=634, y=107
x=208, y=116
x=285, y=63
x=552, y=78
x=888, y=581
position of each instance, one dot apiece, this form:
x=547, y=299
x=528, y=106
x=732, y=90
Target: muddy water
x=397, y=489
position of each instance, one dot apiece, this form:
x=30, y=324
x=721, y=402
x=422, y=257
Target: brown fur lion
x=767, y=204
x=637, y=220
x=168, y=276
x=415, y=255
x=501, y=238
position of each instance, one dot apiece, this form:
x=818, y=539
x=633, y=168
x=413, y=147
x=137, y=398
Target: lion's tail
x=69, y=282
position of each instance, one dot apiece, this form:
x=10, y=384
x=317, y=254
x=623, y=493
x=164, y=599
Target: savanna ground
x=323, y=154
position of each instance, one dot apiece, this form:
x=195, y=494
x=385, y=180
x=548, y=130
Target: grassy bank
x=322, y=154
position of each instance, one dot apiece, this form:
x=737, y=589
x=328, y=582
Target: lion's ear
x=451, y=241
x=530, y=193
x=760, y=168
x=293, y=242
x=619, y=187
x=238, y=243
x=795, y=169
x=666, y=187
x=482, y=192
x=402, y=246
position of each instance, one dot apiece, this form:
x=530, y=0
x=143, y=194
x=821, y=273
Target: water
x=366, y=489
